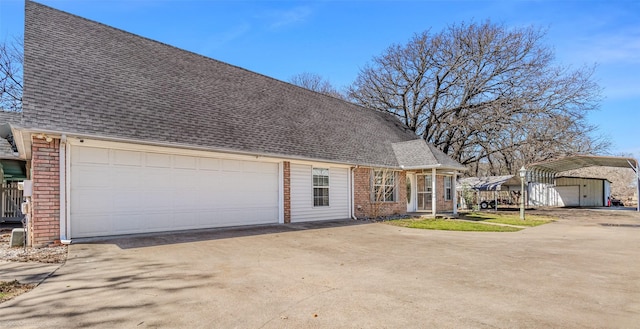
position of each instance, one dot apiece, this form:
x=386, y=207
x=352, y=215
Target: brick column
x=286, y=169
x=45, y=203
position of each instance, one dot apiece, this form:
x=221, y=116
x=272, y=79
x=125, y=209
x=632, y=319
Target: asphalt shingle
x=86, y=78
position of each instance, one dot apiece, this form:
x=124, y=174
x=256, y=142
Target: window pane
x=389, y=179
x=320, y=196
x=383, y=185
x=320, y=177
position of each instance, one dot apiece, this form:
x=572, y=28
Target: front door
x=411, y=192
x=425, y=190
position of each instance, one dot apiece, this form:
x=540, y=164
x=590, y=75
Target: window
x=447, y=187
x=320, y=187
x=384, y=186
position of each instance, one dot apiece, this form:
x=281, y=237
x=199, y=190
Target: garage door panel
x=127, y=199
x=159, y=199
x=232, y=166
x=92, y=225
x=158, y=160
x=569, y=196
x=92, y=155
x=186, y=178
x=209, y=164
x=91, y=201
x=160, y=221
x=127, y=158
x=184, y=162
x=124, y=177
x=129, y=223
x=120, y=192
x=87, y=176
x=155, y=178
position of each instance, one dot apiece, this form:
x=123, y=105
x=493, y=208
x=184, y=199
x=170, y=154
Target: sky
x=335, y=39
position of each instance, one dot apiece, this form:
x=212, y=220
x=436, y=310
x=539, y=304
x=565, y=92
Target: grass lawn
x=482, y=222
x=450, y=225
x=511, y=219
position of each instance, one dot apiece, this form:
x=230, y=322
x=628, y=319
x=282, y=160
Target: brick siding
x=443, y=205
x=44, y=224
x=365, y=208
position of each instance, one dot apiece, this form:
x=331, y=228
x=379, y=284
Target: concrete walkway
x=26, y=272
x=578, y=272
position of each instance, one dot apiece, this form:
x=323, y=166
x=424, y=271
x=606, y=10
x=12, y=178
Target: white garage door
x=569, y=196
x=121, y=192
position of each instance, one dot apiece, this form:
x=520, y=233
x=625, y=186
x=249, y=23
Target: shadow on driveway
x=166, y=238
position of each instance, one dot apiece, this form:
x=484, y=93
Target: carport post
x=523, y=174
x=637, y=170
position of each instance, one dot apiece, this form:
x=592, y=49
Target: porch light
x=523, y=175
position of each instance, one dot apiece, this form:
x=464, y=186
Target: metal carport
x=546, y=171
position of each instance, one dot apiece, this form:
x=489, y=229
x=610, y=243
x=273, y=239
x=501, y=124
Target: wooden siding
x=302, y=208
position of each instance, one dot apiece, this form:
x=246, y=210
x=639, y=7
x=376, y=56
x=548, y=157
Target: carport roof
x=583, y=161
x=489, y=183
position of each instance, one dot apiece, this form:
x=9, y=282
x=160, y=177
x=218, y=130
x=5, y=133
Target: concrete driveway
x=574, y=273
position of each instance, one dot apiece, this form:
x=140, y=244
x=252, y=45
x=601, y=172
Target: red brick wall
x=287, y=190
x=45, y=202
x=442, y=205
x=365, y=208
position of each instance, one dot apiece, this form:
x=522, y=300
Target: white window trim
x=373, y=186
x=313, y=187
x=448, y=196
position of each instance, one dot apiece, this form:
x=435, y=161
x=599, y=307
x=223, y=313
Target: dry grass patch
x=12, y=289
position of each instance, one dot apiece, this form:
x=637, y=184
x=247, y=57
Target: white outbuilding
x=546, y=188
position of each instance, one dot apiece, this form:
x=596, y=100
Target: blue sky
x=336, y=38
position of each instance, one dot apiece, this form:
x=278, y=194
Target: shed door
x=116, y=191
x=569, y=196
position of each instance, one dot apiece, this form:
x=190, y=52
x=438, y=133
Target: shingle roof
x=418, y=154
x=10, y=117
x=6, y=119
x=86, y=78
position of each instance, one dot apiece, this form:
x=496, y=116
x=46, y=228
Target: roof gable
x=86, y=78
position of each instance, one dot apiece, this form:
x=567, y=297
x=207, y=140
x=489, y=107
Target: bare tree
x=316, y=83
x=11, y=60
x=483, y=93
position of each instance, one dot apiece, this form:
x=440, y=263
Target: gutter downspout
x=63, y=190
x=638, y=185
x=353, y=201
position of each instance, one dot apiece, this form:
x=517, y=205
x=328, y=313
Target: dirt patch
x=588, y=213
x=12, y=289
x=57, y=254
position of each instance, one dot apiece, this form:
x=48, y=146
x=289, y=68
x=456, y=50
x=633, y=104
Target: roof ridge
x=91, y=79
x=207, y=57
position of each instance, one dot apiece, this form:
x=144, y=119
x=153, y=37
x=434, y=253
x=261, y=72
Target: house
x=12, y=171
x=125, y=135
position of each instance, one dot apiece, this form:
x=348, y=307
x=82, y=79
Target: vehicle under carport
x=489, y=192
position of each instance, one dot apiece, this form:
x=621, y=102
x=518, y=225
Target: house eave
x=24, y=147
